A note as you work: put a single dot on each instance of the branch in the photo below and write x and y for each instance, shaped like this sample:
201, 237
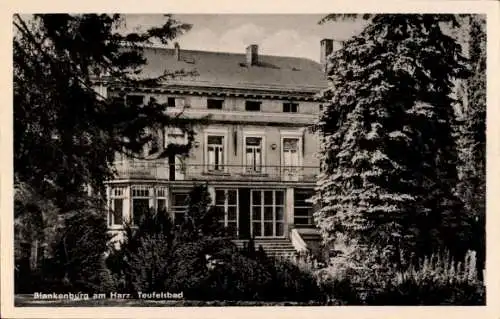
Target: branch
345, 17
26, 32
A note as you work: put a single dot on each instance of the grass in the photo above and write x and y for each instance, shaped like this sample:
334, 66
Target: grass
26, 300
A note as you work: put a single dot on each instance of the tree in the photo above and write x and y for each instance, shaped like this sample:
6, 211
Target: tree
78, 259
202, 219
472, 132
388, 155
65, 133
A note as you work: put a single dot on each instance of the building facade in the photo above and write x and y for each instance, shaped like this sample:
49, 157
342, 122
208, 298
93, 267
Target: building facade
256, 152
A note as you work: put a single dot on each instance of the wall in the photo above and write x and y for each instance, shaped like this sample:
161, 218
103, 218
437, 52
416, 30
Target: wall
272, 135
234, 103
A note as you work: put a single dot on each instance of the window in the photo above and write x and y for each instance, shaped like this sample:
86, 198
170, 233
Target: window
291, 157
175, 136
268, 213
117, 199
119, 99
215, 152
303, 208
135, 99
171, 102
161, 199
179, 206
252, 105
291, 152
215, 104
253, 154
289, 107
227, 201
140, 202
154, 144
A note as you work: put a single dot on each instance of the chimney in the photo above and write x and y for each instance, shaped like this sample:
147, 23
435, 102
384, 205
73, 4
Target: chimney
177, 51
252, 54
328, 46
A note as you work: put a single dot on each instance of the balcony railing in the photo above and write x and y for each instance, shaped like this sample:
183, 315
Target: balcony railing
139, 169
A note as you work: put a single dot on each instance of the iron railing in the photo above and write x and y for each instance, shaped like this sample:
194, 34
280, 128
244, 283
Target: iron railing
143, 169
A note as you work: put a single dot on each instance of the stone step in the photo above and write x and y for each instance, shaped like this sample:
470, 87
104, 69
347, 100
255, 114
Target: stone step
277, 248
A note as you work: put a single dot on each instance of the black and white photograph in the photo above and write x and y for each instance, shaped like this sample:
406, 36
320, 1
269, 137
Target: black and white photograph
249, 159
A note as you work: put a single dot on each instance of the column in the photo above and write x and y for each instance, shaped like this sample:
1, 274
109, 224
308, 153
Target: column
211, 191
127, 203
168, 204
108, 203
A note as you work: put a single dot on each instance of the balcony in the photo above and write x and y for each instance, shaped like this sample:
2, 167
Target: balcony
161, 170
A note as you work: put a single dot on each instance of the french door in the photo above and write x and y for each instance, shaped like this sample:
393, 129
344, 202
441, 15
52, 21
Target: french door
227, 201
291, 159
267, 213
253, 154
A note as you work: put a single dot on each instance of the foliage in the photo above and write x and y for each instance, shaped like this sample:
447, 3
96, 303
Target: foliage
388, 154
79, 252
214, 270
65, 133
434, 280
290, 278
35, 222
471, 132
73, 259
202, 218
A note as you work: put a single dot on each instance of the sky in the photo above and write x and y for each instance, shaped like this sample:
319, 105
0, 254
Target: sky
275, 34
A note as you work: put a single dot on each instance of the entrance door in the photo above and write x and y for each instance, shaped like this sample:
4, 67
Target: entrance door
268, 213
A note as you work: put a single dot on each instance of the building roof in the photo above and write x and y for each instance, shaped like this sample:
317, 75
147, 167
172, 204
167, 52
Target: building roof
230, 70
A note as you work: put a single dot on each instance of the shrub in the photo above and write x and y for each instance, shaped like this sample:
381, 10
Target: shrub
292, 283
78, 263
409, 291
236, 277
435, 280
190, 263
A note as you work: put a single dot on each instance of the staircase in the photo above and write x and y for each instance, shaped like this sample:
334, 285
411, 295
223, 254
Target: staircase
274, 247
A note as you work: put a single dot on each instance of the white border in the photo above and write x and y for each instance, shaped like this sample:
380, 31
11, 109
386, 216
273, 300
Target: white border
256, 6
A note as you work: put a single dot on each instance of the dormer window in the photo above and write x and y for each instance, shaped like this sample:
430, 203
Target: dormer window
253, 106
289, 107
215, 104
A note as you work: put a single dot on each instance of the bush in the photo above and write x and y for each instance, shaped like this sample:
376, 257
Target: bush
292, 283
78, 263
436, 280
429, 292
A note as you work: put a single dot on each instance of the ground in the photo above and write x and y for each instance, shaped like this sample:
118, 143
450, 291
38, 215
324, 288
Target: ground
26, 300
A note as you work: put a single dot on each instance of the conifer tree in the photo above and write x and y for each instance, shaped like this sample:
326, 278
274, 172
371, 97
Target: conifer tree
471, 131
66, 133
388, 155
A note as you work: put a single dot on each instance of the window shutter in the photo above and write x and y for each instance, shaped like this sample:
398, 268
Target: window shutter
303, 143
235, 142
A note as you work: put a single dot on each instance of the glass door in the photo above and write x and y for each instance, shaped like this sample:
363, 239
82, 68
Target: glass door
268, 213
291, 159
